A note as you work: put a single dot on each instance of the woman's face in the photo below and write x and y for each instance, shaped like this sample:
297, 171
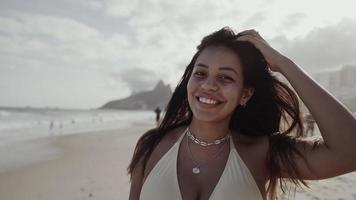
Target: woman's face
215, 87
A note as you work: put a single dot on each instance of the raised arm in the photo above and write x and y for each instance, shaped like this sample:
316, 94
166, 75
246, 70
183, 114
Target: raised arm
335, 154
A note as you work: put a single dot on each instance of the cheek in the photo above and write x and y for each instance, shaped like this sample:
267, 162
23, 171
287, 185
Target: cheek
234, 95
191, 85
190, 89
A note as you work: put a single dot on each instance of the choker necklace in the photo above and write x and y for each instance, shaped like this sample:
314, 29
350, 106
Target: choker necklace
203, 143
197, 167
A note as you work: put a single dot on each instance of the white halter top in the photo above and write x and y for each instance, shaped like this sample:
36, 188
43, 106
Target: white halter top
235, 183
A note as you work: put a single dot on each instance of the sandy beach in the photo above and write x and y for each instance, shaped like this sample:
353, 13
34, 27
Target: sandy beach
79, 166
93, 166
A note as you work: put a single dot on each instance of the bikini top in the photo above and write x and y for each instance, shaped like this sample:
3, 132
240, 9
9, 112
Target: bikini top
236, 181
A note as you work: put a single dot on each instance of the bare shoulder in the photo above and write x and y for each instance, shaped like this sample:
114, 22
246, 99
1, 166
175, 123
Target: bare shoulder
163, 146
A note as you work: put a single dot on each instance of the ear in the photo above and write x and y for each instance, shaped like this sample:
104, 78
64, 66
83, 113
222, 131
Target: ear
246, 96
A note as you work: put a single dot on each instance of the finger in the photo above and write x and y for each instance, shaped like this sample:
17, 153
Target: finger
255, 35
257, 42
249, 32
247, 38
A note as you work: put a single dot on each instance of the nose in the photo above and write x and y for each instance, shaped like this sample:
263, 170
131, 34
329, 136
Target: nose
209, 85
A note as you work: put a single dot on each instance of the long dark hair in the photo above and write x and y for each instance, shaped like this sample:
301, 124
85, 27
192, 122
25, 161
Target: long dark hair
272, 104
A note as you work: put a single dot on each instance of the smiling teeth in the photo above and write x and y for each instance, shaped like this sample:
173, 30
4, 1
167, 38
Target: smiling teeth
207, 101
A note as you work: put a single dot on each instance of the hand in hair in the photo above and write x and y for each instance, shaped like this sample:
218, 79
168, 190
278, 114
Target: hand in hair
274, 59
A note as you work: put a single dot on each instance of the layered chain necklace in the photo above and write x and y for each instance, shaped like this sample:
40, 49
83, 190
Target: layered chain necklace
197, 167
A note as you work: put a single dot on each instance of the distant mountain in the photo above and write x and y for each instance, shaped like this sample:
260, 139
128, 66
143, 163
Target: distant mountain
147, 100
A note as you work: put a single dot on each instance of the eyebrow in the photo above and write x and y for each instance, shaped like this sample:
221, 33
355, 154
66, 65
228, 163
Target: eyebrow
221, 68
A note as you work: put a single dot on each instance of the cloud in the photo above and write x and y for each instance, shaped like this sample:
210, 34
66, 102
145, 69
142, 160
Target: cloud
255, 19
153, 12
94, 4
57, 28
122, 8
137, 79
293, 20
34, 40
324, 47
165, 33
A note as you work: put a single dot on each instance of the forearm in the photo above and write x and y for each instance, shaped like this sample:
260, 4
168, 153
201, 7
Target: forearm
337, 125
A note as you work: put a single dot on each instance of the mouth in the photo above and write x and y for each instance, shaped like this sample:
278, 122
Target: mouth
208, 101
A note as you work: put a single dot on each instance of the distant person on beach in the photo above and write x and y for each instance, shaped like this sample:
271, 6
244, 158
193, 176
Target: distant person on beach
234, 130
51, 125
158, 115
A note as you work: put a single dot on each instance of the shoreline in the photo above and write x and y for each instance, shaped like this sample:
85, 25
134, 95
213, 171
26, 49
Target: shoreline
92, 165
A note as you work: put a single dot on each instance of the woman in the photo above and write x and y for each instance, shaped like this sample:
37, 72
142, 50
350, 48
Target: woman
232, 130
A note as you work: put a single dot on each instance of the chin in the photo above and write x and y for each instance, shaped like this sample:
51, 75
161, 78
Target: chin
209, 117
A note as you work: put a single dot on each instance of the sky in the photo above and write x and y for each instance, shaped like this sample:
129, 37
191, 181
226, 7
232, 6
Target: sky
84, 53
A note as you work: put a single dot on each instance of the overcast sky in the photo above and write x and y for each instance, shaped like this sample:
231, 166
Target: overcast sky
83, 53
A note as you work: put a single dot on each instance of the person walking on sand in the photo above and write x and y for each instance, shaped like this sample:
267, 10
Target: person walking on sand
221, 137
51, 125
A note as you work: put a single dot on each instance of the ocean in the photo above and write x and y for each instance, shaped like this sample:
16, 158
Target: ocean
22, 124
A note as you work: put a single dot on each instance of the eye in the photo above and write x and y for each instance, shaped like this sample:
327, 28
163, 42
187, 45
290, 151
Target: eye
225, 78
199, 74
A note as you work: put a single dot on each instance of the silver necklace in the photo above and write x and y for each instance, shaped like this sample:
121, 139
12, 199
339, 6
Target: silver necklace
204, 143
197, 167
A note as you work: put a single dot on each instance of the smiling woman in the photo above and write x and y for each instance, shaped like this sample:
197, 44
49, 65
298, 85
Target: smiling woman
222, 135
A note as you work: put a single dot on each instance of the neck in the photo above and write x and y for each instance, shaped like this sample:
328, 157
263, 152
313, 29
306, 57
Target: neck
209, 131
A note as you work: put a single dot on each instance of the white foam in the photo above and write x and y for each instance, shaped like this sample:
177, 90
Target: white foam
26, 135
21, 125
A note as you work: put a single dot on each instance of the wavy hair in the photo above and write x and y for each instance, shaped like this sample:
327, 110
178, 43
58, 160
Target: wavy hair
272, 105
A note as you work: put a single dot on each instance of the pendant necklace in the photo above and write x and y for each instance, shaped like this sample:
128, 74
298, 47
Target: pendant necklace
197, 167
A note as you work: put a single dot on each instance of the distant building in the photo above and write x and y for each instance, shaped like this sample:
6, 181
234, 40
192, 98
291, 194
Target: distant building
334, 80
323, 78
341, 83
348, 76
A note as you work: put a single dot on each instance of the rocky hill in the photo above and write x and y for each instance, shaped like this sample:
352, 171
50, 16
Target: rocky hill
147, 100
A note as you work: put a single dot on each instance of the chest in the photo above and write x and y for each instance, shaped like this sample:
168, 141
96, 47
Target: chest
179, 179
201, 185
